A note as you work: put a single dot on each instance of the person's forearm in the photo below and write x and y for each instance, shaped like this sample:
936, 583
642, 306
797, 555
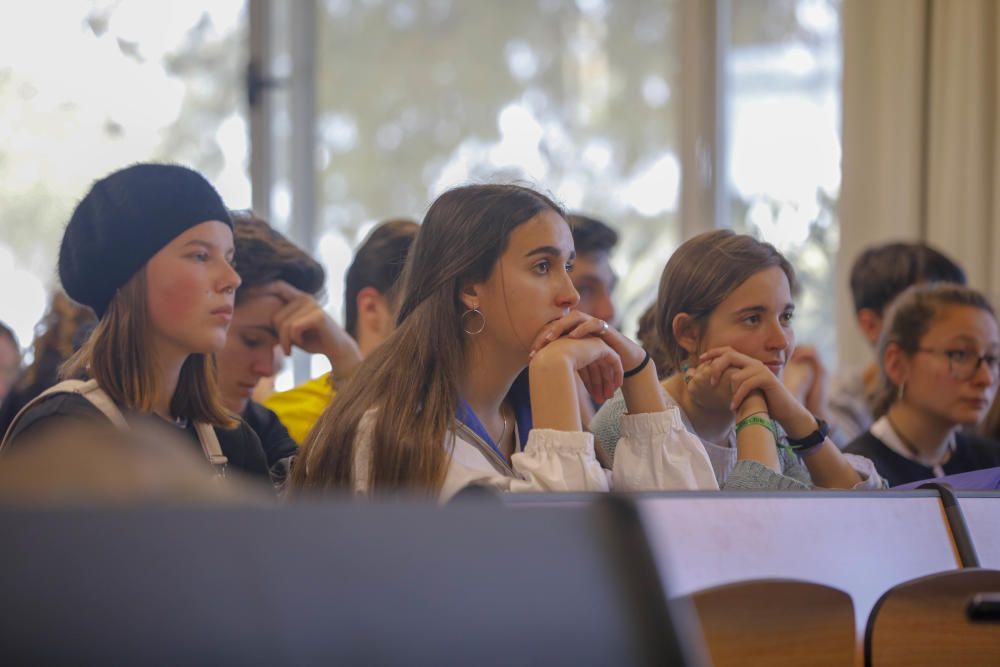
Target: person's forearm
553, 394
343, 358
642, 392
829, 468
755, 442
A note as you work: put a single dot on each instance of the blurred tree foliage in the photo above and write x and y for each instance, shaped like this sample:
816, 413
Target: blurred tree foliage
61, 133
419, 95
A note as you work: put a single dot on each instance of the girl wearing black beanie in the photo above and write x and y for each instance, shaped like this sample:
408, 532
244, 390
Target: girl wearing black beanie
150, 250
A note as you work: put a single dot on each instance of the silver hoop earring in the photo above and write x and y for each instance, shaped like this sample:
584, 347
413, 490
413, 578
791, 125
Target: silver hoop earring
465, 325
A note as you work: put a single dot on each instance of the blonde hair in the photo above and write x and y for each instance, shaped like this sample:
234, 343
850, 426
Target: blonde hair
119, 355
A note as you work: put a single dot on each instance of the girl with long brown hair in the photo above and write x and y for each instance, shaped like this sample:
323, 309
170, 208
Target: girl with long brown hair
477, 385
150, 250
723, 324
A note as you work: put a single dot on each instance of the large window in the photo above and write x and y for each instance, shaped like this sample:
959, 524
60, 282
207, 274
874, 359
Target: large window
575, 97
92, 86
783, 142
578, 97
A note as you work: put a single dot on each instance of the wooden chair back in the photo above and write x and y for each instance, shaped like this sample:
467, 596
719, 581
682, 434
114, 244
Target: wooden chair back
926, 622
777, 622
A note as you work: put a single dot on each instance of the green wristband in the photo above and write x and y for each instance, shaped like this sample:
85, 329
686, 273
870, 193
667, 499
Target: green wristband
759, 421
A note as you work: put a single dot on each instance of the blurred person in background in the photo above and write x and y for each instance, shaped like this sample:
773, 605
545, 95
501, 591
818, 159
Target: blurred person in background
10, 360
593, 277
594, 280
939, 363
60, 333
879, 275
370, 305
275, 310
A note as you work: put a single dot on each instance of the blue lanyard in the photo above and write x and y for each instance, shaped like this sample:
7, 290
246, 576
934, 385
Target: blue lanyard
519, 398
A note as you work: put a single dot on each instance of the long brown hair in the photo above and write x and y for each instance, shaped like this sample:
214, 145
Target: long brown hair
120, 356
908, 319
699, 276
411, 380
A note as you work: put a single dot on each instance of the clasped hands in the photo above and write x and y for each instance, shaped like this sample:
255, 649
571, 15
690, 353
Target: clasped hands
724, 378
591, 347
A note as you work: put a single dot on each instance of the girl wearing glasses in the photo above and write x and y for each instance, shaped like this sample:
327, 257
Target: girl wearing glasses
938, 359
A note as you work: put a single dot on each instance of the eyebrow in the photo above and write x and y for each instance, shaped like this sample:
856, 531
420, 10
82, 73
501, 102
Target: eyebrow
965, 338
210, 246
549, 250
762, 309
262, 327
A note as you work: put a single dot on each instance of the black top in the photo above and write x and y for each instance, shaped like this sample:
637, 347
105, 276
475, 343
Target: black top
971, 453
277, 443
240, 444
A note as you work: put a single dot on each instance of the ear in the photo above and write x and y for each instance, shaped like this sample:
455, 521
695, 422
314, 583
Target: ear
470, 296
686, 332
374, 314
870, 323
896, 364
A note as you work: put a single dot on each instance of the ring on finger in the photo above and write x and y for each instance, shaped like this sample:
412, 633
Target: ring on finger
604, 328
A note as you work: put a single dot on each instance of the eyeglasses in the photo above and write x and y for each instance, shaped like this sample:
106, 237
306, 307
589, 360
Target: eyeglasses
964, 364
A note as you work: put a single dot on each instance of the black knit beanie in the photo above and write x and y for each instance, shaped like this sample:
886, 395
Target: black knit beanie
125, 219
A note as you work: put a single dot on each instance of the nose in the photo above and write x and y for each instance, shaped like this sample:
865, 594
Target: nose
268, 362
567, 297
984, 375
229, 280
779, 337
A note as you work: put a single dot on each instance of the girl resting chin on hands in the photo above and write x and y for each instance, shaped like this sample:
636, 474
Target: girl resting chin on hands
478, 383
724, 321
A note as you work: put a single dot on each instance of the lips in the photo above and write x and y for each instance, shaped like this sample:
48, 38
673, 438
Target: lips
978, 403
775, 366
224, 312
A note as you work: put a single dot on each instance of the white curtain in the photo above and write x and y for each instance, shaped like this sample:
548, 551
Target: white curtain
921, 142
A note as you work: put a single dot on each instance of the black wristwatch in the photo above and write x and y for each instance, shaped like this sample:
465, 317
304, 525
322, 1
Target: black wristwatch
815, 438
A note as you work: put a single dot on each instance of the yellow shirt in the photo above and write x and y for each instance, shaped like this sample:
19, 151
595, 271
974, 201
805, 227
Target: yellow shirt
300, 407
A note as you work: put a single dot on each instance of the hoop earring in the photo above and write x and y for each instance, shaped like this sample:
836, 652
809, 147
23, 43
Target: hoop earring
473, 312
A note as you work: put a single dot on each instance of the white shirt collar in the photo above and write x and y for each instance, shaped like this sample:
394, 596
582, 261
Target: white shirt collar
884, 431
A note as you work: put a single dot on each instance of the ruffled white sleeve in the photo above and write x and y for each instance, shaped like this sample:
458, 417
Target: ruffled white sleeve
558, 461
657, 453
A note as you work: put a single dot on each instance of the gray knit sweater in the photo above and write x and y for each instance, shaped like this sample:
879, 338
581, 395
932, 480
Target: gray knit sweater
732, 474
